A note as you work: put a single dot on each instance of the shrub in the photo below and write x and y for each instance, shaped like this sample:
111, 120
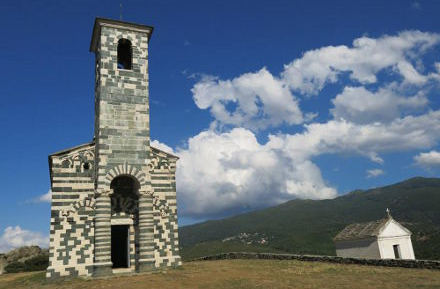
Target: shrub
37, 263
15, 267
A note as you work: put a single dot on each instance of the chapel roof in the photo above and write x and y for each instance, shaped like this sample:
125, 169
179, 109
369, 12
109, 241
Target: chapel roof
358, 231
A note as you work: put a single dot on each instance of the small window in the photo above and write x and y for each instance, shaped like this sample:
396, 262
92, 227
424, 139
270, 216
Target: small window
396, 249
86, 166
124, 54
65, 164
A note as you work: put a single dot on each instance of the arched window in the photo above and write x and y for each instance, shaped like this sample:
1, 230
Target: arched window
126, 186
125, 195
124, 54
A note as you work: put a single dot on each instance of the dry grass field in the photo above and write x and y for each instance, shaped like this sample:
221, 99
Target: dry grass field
245, 274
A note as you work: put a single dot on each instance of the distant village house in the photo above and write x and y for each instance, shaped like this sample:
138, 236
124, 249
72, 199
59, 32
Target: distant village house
381, 239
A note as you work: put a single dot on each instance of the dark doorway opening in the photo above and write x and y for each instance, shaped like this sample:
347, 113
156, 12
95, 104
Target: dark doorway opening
120, 240
396, 249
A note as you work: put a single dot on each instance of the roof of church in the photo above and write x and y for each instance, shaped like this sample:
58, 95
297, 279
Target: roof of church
92, 143
165, 152
66, 151
116, 23
359, 231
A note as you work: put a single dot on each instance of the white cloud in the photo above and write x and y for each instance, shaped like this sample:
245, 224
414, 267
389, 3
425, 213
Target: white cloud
341, 136
259, 100
44, 198
358, 104
47, 197
253, 100
374, 173
436, 74
368, 56
220, 172
428, 160
229, 171
14, 237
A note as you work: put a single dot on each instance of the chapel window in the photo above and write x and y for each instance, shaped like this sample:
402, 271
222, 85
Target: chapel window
124, 54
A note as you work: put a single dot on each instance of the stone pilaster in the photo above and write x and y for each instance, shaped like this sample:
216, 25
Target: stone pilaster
103, 263
146, 231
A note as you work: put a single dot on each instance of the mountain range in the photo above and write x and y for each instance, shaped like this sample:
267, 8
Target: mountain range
309, 226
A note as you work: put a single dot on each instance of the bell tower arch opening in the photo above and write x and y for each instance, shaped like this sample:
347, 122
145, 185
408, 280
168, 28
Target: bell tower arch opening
124, 54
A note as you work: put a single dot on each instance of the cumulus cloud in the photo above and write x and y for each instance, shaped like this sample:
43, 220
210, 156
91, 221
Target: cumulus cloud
259, 100
254, 100
358, 104
341, 136
368, 56
374, 173
232, 171
14, 237
226, 169
428, 160
220, 172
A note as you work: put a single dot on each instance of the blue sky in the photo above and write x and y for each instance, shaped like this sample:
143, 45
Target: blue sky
264, 102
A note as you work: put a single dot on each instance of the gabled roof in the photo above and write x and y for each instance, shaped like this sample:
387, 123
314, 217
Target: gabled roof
162, 151
66, 151
360, 231
92, 143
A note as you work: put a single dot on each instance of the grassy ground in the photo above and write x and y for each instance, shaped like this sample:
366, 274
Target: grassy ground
245, 274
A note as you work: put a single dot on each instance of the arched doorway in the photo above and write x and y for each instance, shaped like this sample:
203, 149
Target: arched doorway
124, 221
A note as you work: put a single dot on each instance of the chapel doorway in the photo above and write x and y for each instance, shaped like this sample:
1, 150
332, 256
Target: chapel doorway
120, 246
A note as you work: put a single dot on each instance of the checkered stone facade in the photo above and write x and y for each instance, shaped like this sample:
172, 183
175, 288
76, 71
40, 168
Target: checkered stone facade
86, 201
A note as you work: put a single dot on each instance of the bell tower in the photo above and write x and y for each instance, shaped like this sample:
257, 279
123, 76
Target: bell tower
122, 134
122, 122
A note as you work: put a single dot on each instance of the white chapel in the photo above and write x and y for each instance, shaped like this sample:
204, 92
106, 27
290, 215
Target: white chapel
380, 239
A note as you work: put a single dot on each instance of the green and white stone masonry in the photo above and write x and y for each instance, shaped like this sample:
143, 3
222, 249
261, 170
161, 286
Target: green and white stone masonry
84, 203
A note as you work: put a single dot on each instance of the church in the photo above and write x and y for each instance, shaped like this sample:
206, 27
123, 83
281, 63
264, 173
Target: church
113, 207
379, 239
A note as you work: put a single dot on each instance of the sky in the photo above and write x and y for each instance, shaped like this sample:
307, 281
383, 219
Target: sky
263, 102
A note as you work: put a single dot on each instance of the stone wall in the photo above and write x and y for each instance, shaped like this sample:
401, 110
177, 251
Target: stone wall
420, 264
71, 244
163, 181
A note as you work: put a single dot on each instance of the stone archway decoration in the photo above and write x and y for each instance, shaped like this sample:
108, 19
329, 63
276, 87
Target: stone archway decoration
87, 203
80, 158
125, 169
158, 163
161, 206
